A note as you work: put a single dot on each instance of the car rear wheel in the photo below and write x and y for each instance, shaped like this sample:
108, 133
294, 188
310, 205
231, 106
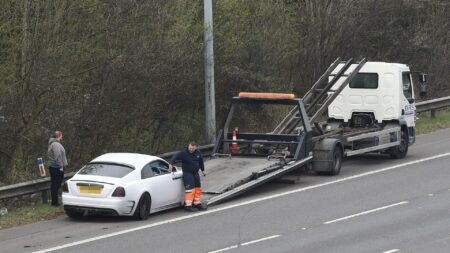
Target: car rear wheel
143, 209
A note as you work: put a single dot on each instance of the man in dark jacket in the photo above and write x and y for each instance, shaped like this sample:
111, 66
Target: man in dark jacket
57, 161
191, 161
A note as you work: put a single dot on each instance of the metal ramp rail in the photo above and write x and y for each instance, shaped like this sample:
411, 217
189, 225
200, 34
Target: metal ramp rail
320, 95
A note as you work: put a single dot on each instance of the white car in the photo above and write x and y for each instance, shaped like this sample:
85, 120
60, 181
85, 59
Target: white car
123, 184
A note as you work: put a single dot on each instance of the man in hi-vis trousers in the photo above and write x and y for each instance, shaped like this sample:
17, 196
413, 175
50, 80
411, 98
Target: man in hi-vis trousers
191, 162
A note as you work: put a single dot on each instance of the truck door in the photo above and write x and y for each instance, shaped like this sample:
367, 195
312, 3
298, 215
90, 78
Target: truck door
409, 108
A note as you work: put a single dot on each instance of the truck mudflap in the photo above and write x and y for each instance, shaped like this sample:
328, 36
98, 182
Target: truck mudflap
257, 179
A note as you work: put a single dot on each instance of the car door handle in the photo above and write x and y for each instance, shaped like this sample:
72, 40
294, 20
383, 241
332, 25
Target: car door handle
176, 178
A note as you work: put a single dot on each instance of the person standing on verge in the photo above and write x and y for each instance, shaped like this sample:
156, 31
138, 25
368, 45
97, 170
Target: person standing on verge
57, 161
191, 161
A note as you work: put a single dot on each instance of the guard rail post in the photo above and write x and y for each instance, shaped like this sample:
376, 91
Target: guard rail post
44, 195
433, 113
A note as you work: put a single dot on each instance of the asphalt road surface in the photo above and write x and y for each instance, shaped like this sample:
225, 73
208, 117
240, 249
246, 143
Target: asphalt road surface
376, 204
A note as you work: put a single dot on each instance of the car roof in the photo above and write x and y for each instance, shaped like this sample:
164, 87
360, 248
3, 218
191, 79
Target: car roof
136, 160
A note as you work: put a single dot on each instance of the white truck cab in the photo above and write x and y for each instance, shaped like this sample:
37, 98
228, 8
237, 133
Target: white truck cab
380, 94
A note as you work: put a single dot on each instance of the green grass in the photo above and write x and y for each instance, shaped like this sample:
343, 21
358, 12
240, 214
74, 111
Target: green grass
426, 124
29, 214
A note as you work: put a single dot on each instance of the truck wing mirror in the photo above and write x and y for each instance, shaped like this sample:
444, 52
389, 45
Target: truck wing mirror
423, 89
423, 77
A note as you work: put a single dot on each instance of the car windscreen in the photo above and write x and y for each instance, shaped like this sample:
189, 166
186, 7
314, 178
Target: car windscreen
105, 170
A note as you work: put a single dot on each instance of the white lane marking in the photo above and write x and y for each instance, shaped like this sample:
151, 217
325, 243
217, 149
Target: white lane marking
224, 249
366, 212
391, 251
248, 202
260, 240
245, 243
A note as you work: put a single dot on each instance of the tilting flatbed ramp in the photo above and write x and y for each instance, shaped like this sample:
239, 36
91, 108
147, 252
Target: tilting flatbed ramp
225, 174
228, 178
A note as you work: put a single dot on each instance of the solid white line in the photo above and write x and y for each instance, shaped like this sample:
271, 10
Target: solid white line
260, 240
240, 204
224, 249
391, 251
366, 212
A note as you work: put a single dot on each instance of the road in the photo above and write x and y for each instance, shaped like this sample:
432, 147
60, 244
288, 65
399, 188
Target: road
376, 204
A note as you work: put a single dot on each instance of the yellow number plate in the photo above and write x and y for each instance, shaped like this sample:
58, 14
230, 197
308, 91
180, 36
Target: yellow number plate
91, 189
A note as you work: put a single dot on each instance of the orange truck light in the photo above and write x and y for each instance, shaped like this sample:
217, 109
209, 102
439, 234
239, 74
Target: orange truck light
267, 95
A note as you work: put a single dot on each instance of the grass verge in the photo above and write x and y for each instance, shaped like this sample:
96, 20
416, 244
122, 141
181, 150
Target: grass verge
426, 124
26, 215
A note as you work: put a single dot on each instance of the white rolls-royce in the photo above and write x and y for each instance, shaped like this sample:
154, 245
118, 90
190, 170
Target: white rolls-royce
124, 184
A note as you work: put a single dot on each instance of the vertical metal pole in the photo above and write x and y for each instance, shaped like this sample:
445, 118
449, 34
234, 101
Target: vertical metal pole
44, 195
210, 101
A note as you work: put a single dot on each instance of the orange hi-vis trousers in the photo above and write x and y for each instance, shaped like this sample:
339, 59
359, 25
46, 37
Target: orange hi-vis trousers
193, 196
197, 195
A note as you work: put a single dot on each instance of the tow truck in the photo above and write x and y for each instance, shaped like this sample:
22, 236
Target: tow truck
370, 108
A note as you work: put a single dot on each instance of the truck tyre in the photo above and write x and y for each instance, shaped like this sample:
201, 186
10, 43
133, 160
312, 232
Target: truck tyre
327, 157
337, 162
401, 150
143, 209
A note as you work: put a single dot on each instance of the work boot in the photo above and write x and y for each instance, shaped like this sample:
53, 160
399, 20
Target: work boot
189, 209
201, 207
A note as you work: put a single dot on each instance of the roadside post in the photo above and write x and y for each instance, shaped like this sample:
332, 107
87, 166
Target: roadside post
44, 193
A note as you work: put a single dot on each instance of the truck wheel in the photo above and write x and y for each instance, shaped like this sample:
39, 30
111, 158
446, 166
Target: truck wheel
401, 150
327, 157
334, 167
337, 162
143, 209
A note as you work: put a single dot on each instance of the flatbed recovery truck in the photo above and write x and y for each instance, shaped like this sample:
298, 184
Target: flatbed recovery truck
375, 113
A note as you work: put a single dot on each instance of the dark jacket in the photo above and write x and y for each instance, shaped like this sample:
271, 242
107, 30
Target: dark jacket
190, 163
